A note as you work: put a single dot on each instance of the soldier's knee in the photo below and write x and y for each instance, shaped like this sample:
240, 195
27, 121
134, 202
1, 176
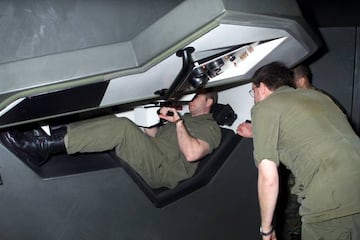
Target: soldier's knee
124, 122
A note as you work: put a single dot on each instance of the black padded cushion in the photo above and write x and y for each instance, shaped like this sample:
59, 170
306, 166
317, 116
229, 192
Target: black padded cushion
61, 165
207, 168
64, 164
223, 114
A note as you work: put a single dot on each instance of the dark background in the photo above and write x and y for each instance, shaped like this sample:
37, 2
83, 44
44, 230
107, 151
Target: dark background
335, 66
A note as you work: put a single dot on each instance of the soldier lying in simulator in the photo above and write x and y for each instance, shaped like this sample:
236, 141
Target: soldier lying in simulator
159, 194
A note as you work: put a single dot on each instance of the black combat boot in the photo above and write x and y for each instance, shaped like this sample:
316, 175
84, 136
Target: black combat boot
34, 146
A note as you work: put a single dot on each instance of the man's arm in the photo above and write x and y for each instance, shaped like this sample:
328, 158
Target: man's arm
268, 189
192, 148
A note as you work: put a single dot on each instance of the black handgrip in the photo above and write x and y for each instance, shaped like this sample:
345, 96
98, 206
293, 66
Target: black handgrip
169, 113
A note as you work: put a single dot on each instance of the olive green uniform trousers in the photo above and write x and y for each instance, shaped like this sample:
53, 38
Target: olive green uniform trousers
108, 133
157, 159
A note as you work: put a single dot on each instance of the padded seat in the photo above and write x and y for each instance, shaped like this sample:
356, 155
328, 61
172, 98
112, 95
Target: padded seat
207, 168
62, 165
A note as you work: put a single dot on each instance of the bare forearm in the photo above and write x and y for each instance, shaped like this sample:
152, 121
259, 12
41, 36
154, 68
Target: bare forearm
191, 147
268, 189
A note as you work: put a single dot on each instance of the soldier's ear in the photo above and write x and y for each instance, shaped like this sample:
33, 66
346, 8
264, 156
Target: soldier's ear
209, 102
262, 88
264, 91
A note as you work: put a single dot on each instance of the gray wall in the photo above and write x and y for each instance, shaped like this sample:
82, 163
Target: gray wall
355, 114
336, 69
37, 28
108, 205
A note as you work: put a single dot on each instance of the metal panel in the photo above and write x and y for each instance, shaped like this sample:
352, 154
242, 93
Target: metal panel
146, 63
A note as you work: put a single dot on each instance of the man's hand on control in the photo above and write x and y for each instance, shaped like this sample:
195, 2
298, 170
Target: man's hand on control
169, 114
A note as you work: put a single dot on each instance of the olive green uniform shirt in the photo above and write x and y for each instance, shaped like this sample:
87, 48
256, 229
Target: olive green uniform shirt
157, 159
308, 133
202, 127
